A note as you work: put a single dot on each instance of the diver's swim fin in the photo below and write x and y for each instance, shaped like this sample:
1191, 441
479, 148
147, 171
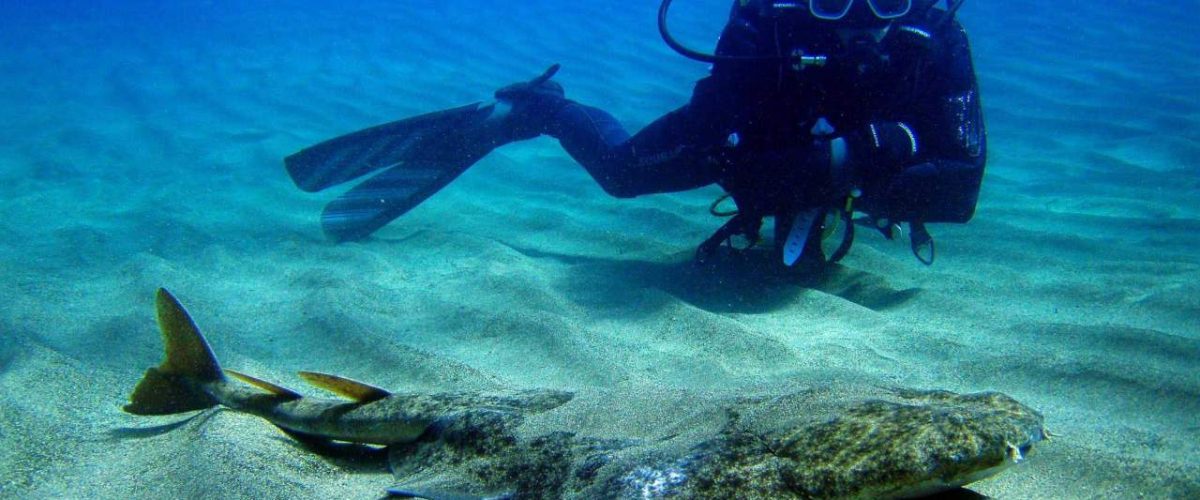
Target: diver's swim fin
429, 139
377, 201
418, 156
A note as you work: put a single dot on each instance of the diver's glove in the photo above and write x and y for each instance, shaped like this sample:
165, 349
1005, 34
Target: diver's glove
533, 105
880, 149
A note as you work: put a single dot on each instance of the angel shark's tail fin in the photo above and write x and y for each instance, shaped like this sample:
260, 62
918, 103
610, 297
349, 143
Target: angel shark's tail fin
178, 384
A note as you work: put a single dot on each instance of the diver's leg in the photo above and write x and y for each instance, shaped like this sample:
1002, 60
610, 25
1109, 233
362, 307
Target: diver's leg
655, 160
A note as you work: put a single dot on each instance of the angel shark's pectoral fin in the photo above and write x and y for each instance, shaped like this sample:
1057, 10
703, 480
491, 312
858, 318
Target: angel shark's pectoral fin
444, 481
360, 392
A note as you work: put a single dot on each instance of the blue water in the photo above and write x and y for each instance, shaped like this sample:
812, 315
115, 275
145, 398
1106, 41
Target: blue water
142, 147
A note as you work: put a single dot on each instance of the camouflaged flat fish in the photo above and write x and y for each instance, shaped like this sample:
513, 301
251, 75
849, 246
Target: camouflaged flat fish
832, 442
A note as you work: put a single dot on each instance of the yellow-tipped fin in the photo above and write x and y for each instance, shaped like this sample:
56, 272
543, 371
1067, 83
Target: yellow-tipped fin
160, 393
342, 386
188, 353
176, 385
264, 385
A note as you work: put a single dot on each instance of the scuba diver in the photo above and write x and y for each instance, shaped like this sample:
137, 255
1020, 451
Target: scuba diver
813, 111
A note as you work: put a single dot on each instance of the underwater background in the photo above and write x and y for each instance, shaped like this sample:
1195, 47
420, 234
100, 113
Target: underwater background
143, 143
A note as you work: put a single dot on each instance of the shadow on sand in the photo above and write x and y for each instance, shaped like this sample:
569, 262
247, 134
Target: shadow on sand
743, 282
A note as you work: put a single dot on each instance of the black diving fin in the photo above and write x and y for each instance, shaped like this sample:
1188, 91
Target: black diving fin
418, 157
393, 192
348, 157
412, 159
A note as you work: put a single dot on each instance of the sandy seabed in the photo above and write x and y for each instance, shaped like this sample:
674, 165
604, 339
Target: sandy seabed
142, 149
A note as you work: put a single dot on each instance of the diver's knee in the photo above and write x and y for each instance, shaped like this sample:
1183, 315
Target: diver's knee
619, 190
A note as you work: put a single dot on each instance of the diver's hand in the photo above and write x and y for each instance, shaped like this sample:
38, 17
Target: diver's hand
880, 149
883, 147
532, 104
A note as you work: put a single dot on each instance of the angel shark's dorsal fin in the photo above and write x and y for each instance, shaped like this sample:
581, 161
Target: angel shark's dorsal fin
352, 389
264, 385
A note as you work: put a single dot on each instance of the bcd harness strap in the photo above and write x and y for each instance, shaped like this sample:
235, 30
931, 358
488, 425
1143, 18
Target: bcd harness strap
831, 219
920, 241
741, 224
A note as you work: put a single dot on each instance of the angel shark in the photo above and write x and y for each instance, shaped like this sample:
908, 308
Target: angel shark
810, 443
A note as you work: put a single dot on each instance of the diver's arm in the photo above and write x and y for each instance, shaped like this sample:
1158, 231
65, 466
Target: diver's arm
928, 166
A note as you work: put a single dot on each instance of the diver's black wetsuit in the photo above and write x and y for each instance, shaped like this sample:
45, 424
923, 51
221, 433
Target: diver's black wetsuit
912, 125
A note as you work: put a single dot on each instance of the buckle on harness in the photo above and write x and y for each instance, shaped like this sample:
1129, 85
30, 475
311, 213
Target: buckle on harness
920, 241
822, 222
922, 244
740, 225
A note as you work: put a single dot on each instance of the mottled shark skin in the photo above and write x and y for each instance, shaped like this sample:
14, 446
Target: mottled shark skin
826, 442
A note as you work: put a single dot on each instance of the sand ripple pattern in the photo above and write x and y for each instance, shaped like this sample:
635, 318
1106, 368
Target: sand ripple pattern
143, 145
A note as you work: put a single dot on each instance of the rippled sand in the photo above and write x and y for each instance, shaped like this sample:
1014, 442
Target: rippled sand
143, 148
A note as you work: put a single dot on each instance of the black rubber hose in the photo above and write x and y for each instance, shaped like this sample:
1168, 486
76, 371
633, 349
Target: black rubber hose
695, 54
673, 43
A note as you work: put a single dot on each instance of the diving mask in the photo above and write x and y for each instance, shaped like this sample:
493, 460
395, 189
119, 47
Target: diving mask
834, 10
